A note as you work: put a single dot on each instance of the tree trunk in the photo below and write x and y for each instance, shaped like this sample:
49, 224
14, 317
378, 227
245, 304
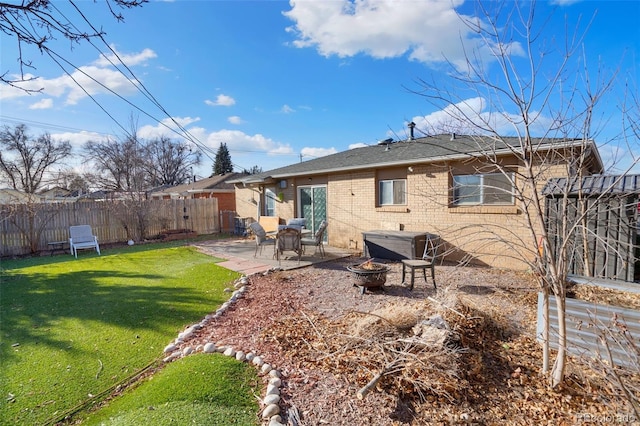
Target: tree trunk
545, 330
557, 375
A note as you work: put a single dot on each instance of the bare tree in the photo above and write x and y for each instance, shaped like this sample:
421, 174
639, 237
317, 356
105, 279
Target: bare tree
118, 163
551, 116
25, 161
36, 23
130, 166
169, 162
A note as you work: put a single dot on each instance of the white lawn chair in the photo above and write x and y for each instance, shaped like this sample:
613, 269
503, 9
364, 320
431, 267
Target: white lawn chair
81, 237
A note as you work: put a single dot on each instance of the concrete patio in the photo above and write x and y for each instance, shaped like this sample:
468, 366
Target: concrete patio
238, 254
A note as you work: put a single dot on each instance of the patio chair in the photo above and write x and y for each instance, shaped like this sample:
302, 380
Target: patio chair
288, 239
261, 237
427, 261
318, 239
81, 237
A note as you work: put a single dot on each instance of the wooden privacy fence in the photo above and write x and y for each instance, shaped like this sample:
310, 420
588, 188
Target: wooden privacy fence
596, 219
602, 243
28, 228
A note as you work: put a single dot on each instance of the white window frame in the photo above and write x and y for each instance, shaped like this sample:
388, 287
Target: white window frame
270, 198
481, 192
398, 195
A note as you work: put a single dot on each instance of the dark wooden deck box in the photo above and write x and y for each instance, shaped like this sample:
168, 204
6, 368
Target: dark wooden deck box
393, 245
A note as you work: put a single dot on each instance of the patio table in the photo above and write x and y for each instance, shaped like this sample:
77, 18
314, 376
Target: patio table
303, 231
56, 245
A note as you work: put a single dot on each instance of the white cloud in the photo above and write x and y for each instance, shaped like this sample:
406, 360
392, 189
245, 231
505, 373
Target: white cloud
91, 80
97, 78
46, 103
234, 119
357, 145
428, 31
470, 115
129, 59
287, 109
77, 139
239, 141
31, 83
166, 127
312, 153
221, 100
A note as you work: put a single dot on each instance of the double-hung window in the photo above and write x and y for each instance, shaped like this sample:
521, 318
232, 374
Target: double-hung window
392, 192
490, 188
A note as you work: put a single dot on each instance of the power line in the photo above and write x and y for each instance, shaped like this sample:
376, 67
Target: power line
132, 79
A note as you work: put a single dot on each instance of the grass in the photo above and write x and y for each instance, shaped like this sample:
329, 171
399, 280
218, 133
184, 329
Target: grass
70, 330
200, 389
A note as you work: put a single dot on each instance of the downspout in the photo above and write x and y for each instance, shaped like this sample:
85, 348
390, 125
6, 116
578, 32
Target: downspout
259, 203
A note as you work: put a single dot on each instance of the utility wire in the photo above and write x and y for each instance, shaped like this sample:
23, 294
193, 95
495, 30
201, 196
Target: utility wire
139, 85
131, 78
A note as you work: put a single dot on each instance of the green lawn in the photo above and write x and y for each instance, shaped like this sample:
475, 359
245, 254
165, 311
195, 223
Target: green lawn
70, 330
201, 389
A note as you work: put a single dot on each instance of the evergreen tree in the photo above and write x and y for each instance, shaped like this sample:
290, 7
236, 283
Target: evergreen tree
222, 163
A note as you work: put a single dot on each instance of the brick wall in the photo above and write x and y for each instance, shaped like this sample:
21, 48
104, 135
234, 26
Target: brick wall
491, 235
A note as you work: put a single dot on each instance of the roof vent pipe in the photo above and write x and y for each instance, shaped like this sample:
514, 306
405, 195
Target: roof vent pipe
453, 136
411, 127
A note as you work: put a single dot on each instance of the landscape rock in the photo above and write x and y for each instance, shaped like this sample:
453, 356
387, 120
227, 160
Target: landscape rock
265, 368
270, 410
273, 390
271, 399
275, 382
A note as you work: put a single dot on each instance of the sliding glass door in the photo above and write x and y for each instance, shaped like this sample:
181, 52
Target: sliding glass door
313, 205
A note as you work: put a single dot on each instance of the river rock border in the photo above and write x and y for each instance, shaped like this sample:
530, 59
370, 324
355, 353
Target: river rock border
270, 408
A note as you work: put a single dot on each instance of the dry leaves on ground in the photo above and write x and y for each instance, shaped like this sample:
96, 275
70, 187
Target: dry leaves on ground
330, 342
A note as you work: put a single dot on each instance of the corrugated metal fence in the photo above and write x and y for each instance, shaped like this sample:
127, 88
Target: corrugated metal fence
586, 324
26, 228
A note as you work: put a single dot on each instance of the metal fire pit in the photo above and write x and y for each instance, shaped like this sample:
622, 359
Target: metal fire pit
372, 277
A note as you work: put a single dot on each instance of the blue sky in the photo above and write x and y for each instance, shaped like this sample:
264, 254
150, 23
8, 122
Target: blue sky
282, 81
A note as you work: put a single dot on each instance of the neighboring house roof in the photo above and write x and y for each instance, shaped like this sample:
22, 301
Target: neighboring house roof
56, 191
418, 151
217, 183
594, 185
10, 195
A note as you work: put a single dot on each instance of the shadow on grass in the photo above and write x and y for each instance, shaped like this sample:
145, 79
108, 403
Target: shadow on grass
34, 303
120, 308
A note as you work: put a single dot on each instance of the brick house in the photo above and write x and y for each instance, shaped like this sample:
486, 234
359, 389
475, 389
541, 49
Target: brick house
445, 185
213, 187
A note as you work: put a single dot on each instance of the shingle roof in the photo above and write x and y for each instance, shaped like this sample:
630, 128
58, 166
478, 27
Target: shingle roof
594, 185
421, 150
219, 182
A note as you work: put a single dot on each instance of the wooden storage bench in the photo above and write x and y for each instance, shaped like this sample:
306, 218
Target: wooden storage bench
393, 245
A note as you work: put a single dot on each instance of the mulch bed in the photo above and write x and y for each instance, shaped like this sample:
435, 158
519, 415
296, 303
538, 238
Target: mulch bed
305, 323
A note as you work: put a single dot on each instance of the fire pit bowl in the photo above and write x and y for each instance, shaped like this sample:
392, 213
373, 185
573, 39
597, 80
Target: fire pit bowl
369, 274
